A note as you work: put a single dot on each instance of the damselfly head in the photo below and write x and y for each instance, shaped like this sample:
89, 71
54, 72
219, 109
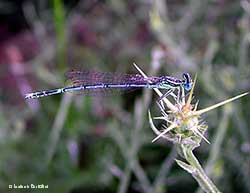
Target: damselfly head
187, 82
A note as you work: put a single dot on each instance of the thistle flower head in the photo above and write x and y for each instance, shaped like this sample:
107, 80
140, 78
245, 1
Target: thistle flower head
183, 124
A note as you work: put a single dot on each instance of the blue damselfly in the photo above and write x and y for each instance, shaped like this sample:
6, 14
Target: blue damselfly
96, 82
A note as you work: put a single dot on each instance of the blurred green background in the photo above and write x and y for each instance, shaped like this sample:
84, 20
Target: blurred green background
77, 144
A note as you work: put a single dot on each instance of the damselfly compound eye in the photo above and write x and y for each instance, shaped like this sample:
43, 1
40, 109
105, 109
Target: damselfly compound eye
188, 86
187, 81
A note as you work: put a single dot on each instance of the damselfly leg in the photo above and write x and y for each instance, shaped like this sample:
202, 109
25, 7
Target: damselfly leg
160, 100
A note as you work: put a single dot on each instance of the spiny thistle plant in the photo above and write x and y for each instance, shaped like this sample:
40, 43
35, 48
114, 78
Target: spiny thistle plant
185, 128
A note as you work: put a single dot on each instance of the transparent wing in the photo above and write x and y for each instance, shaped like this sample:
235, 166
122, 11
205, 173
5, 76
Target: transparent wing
94, 77
81, 77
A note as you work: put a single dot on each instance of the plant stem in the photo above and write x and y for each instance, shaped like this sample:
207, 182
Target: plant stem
159, 183
123, 186
59, 21
58, 126
198, 173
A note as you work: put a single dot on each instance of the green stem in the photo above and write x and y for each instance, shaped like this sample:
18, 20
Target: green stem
199, 174
59, 22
